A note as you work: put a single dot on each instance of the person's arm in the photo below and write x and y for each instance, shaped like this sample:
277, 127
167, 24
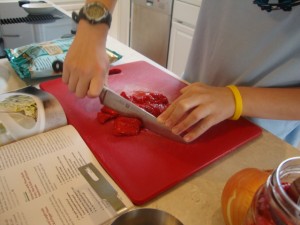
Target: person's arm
201, 107
271, 103
86, 64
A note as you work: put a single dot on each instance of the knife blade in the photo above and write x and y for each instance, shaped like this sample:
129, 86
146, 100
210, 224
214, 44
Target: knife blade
125, 107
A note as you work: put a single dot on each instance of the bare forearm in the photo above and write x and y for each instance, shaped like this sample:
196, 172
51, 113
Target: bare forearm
86, 64
97, 31
271, 103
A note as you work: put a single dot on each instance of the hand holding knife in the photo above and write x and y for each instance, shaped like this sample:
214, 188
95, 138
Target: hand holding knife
125, 107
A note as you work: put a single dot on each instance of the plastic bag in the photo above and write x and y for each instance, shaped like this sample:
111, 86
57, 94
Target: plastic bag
35, 60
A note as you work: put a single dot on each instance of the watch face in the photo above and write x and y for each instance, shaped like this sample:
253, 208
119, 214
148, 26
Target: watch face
95, 12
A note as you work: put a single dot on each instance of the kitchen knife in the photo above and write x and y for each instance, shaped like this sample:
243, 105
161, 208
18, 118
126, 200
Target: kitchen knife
125, 107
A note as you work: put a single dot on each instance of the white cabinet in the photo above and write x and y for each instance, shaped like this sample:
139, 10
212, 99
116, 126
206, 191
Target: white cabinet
182, 31
121, 22
180, 42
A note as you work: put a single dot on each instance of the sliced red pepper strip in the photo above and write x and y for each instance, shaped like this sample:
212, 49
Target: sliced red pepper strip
104, 117
126, 126
110, 111
154, 103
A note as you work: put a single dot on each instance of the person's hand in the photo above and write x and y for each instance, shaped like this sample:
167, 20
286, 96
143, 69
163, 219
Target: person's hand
198, 108
86, 64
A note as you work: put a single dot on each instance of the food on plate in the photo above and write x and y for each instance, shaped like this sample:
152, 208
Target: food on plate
127, 126
23, 104
154, 103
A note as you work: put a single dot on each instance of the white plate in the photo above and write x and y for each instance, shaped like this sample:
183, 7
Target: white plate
38, 8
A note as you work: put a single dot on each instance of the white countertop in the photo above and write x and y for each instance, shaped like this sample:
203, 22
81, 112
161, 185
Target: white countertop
10, 81
197, 200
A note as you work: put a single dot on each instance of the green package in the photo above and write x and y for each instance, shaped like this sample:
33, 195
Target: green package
35, 60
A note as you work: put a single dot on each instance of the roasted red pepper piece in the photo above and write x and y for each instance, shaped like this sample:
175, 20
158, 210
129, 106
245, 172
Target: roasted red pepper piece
124, 95
293, 190
126, 126
148, 97
110, 111
106, 114
154, 109
104, 117
154, 103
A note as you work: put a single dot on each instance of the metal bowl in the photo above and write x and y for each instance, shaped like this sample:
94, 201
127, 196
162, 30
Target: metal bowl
146, 216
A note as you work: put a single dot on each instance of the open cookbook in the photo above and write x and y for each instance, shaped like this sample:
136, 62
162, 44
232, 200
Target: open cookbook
48, 175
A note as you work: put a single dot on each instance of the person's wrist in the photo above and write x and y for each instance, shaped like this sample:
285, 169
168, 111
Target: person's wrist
238, 102
98, 31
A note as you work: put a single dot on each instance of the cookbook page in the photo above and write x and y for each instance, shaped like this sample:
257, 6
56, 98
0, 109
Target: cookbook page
53, 178
26, 112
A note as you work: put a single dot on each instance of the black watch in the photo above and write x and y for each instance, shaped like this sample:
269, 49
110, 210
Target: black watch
94, 13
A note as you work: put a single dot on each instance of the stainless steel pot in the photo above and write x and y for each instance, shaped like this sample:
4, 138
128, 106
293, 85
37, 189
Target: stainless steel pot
146, 216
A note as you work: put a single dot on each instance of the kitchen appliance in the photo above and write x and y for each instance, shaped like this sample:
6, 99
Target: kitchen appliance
150, 28
19, 28
147, 164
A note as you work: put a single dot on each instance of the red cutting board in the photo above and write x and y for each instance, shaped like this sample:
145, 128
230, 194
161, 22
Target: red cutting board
147, 164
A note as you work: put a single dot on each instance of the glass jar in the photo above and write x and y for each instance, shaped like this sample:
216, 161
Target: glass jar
272, 204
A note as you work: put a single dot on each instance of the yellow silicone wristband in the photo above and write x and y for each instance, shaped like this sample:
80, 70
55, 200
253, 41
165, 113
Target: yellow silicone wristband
238, 102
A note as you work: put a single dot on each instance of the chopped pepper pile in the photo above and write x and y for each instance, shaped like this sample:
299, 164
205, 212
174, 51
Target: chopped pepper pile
154, 103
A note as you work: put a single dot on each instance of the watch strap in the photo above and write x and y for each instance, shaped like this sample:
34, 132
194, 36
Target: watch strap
75, 17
